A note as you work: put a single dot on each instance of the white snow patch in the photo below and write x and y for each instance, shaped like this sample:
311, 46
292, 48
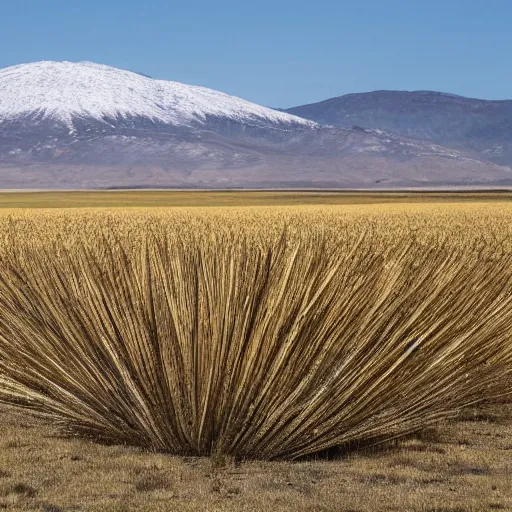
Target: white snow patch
64, 91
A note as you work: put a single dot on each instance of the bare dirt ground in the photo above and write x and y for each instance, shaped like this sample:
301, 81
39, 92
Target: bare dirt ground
464, 465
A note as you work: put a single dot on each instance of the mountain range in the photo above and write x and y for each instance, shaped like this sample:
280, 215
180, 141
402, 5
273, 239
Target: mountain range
480, 127
85, 125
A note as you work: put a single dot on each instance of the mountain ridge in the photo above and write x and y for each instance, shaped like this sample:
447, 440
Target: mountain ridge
64, 90
86, 125
481, 126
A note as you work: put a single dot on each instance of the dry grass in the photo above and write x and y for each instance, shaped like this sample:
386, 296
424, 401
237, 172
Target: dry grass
172, 198
462, 466
255, 333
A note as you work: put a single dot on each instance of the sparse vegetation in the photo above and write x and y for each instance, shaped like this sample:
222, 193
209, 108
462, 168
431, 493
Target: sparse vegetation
426, 472
255, 333
197, 198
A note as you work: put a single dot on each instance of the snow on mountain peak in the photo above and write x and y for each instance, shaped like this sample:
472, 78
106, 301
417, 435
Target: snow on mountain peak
64, 91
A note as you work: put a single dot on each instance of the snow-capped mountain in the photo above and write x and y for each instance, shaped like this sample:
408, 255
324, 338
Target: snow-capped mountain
85, 125
68, 91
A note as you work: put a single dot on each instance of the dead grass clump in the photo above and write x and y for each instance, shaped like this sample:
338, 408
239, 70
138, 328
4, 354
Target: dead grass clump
22, 489
152, 481
252, 345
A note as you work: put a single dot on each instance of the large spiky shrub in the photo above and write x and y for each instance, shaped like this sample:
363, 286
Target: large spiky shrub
270, 348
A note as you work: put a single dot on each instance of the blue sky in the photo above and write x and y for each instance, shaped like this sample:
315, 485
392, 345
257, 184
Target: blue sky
277, 53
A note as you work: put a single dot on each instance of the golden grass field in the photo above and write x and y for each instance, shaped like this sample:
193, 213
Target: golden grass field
166, 198
255, 333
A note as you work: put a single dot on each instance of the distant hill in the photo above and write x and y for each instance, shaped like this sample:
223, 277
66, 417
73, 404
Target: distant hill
85, 125
481, 127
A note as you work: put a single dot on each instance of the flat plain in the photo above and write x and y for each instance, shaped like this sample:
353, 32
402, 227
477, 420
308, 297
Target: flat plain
447, 459
171, 198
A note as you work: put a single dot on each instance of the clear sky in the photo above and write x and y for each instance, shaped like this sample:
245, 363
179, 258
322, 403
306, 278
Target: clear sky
277, 53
